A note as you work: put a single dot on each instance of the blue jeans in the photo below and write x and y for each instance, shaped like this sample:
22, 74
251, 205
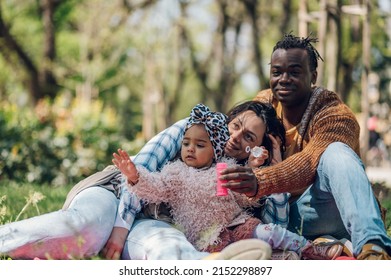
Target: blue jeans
79, 231
158, 240
340, 202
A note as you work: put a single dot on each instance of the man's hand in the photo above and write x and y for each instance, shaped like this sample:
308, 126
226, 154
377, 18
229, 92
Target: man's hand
240, 179
115, 244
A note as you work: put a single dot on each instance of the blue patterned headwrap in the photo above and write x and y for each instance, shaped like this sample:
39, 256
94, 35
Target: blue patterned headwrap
215, 124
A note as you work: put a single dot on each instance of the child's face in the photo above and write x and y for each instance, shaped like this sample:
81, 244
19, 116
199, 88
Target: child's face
197, 150
247, 129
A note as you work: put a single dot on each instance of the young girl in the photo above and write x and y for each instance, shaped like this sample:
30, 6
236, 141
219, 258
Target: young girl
188, 185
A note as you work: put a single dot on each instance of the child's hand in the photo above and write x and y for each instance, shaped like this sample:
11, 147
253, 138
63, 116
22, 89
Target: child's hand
127, 167
254, 162
276, 142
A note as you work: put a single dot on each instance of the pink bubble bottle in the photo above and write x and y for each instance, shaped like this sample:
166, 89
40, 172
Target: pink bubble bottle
221, 191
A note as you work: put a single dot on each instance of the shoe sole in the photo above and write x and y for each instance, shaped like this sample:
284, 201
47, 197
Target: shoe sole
284, 255
247, 249
347, 249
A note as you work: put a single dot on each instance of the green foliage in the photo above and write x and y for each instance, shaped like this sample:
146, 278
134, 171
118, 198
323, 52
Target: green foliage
60, 144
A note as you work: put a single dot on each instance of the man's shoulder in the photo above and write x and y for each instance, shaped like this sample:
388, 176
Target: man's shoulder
264, 95
326, 103
329, 99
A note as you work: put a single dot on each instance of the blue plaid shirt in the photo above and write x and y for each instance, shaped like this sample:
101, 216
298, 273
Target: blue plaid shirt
154, 155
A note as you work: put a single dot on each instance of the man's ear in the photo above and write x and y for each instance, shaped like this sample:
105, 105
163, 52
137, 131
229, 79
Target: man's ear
314, 77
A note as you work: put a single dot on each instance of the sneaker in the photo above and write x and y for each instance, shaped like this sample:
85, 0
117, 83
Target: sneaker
284, 255
347, 248
347, 245
246, 249
373, 252
320, 250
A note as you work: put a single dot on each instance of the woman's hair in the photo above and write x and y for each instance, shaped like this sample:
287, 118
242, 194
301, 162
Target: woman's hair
267, 113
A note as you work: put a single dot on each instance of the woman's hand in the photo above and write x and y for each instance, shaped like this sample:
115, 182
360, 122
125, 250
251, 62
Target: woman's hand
127, 167
240, 179
258, 161
276, 144
115, 244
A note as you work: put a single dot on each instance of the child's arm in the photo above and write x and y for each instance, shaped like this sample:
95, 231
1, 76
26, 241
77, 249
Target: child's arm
151, 186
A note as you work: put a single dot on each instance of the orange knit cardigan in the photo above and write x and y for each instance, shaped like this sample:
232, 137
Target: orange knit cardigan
326, 120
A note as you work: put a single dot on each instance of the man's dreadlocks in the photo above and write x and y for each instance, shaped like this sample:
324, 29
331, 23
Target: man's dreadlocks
293, 42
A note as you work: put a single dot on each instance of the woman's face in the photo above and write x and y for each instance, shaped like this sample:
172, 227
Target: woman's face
247, 129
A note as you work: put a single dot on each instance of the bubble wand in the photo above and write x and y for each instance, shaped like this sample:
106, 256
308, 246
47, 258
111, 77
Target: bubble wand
256, 151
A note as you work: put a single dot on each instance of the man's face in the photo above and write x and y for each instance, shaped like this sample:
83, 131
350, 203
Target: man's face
290, 76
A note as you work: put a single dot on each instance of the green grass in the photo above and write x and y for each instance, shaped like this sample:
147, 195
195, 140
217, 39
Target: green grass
19, 201
387, 204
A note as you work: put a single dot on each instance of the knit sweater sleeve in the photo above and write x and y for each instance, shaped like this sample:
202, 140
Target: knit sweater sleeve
331, 121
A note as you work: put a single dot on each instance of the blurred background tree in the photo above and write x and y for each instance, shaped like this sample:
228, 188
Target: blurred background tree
79, 79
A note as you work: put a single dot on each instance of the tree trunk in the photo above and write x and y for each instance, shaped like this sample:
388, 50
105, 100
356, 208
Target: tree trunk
47, 78
286, 15
251, 7
40, 81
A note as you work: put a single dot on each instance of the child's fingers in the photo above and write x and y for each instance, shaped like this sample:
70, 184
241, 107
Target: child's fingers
115, 162
123, 153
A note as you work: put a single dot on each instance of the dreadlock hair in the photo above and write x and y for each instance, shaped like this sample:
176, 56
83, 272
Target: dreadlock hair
267, 113
290, 41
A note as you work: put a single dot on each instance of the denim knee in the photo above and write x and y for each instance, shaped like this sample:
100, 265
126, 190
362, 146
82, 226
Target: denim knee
339, 156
